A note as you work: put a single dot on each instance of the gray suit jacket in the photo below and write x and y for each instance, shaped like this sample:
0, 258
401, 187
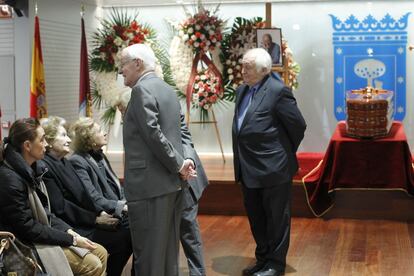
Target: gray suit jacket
152, 139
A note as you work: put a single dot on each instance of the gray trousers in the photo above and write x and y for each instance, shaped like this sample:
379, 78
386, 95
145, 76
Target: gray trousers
155, 226
191, 241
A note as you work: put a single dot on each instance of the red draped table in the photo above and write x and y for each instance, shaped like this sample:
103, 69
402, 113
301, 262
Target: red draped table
363, 164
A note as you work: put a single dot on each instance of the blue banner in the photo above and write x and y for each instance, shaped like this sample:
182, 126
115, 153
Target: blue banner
370, 52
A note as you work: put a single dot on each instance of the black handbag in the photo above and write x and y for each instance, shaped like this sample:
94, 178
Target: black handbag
16, 259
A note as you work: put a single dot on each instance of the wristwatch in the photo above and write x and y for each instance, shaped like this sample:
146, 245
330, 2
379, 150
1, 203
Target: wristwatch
75, 241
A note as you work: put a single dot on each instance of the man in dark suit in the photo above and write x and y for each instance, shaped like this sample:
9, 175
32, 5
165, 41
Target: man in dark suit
156, 164
267, 130
189, 229
272, 48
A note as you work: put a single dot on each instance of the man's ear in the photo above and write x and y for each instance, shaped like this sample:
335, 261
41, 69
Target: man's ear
138, 62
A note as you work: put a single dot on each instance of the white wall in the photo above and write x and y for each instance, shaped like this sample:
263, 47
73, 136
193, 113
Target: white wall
312, 47
61, 34
60, 37
311, 44
7, 99
23, 29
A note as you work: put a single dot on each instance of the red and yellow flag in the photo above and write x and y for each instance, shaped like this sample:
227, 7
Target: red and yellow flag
38, 105
85, 97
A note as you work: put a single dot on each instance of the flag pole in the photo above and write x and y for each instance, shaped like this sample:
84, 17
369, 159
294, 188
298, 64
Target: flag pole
82, 12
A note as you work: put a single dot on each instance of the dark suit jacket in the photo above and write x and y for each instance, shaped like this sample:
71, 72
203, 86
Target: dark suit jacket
198, 184
274, 52
105, 194
265, 146
68, 197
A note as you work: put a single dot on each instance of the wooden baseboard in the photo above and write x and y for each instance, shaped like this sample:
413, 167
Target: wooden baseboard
224, 198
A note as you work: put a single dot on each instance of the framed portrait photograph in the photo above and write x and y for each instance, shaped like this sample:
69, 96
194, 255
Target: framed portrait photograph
271, 40
5, 12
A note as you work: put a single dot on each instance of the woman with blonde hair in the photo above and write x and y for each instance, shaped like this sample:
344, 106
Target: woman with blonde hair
72, 202
103, 186
25, 208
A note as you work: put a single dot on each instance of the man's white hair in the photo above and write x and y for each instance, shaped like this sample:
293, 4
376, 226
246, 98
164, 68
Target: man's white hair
142, 52
261, 58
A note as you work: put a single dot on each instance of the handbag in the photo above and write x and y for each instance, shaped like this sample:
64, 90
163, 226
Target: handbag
16, 259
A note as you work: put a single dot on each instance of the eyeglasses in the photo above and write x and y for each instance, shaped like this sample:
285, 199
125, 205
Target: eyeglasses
123, 63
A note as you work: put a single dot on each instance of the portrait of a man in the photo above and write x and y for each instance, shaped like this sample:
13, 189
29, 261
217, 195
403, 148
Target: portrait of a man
271, 41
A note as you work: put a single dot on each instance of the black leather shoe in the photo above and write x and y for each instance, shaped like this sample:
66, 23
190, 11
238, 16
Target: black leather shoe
248, 271
268, 272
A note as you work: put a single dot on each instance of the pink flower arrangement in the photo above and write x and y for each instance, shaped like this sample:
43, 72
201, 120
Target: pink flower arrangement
206, 90
202, 31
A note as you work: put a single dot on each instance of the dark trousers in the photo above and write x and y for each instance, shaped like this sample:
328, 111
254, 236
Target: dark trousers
191, 241
155, 228
268, 210
119, 246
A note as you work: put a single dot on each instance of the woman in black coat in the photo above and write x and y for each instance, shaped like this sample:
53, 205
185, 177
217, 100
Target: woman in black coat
72, 202
25, 209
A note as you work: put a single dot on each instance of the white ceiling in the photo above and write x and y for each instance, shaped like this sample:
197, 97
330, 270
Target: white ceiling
107, 3
138, 3
147, 3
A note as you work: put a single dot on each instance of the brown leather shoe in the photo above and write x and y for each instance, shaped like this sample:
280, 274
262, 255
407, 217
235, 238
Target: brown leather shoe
250, 270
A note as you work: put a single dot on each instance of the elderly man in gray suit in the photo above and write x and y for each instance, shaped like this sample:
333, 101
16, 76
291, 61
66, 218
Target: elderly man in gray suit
156, 164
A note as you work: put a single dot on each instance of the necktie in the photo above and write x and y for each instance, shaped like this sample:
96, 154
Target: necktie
245, 104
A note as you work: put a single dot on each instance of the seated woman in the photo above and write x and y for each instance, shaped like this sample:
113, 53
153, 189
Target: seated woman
25, 210
93, 167
71, 201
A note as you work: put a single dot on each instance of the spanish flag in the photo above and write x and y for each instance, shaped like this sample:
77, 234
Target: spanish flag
38, 106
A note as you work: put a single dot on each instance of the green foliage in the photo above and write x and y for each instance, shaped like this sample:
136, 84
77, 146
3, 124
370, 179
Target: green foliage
240, 26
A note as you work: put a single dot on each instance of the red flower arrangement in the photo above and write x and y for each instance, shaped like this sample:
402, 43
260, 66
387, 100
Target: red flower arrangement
202, 32
117, 33
120, 30
206, 90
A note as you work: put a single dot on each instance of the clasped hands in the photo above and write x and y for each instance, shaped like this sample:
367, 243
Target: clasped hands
106, 219
82, 241
188, 171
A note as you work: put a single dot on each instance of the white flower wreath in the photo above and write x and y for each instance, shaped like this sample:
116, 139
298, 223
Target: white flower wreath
111, 91
181, 60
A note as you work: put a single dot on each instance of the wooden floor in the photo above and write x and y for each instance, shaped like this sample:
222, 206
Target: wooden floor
336, 247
